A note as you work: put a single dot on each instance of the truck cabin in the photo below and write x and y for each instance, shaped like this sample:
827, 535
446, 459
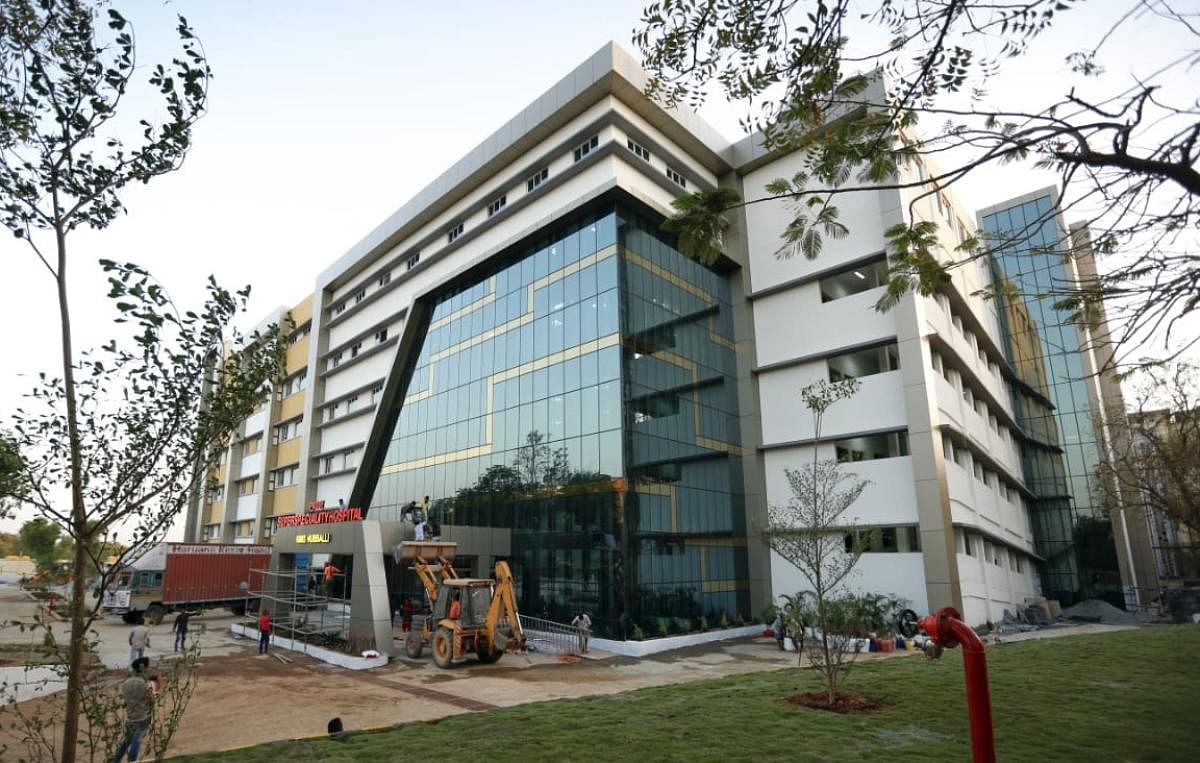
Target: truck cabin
139, 581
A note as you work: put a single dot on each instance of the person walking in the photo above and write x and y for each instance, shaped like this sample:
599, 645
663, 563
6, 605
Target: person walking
139, 642
780, 631
135, 693
264, 632
583, 627
181, 630
419, 531
433, 529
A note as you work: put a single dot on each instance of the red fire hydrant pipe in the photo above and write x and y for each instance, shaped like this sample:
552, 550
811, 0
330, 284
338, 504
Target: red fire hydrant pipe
948, 631
979, 701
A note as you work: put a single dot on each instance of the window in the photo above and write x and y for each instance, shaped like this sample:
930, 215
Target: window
497, 205
454, 233
376, 391
967, 541
284, 477
657, 406
212, 532
331, 411
350, 401
868, 275
349, 459
585, 148
288, 430
884, 540
871, 447
355, 349
1019, 562
874, 360
675, 177
247, 486
381, 336
295, 382
339, 308
385, 279
537, 179
251, 445
295, 337
638, 149
360, 295
327, 465
337, 360
412, 261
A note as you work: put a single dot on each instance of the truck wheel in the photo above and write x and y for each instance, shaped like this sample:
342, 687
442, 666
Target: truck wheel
413, 646
443, 647
154, 614
133, 617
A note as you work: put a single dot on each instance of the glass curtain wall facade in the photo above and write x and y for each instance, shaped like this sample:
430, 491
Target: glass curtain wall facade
581, 396
1030, 252
1051, 513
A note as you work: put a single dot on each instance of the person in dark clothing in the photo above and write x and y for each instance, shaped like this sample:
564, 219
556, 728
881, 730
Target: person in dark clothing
181, 630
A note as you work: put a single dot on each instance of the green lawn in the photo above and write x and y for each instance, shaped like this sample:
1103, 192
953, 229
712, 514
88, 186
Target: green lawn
1126, 696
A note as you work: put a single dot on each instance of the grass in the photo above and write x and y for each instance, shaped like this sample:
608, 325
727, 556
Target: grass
1124, 696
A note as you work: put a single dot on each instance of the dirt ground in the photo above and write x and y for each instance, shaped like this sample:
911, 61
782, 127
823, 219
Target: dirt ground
243, 698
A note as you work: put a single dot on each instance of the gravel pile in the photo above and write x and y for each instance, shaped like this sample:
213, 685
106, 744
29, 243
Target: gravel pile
1098, 611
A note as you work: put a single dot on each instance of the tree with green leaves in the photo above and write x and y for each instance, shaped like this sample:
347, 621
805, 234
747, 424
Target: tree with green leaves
112, 442
39, 541
12, 474
1125, 147
810, 532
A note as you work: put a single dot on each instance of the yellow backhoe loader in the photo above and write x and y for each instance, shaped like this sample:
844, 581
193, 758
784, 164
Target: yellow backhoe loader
485, 621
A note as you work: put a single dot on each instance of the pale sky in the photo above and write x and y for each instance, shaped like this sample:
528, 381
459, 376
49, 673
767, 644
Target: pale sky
326, 117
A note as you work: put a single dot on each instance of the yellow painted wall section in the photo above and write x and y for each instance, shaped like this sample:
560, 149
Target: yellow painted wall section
214, 512
288, 452
287, 500
302, 312
297, 357
291, 407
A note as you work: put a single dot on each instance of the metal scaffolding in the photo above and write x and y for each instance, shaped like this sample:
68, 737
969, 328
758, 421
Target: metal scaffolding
314, 618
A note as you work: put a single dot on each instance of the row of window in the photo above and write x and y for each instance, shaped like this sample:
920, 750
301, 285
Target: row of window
978, 546
347, 459
532, 182
352, 403
251, 445
958, 452
294, 383
974, 399
976, 346
858, 278
872, 447
296, 336
954, 222
882, 540
867, 362
587, 147
288, 430
288, 475
356, 349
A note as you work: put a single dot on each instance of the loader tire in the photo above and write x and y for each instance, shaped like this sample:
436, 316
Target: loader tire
413, 645
443, 647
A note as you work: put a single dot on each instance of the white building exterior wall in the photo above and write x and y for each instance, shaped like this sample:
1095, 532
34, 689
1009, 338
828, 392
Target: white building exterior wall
790, 331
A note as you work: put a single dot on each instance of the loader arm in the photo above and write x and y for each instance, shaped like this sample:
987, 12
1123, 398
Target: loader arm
504, 606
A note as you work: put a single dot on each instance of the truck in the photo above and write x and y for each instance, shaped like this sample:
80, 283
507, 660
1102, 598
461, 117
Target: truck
187, 576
